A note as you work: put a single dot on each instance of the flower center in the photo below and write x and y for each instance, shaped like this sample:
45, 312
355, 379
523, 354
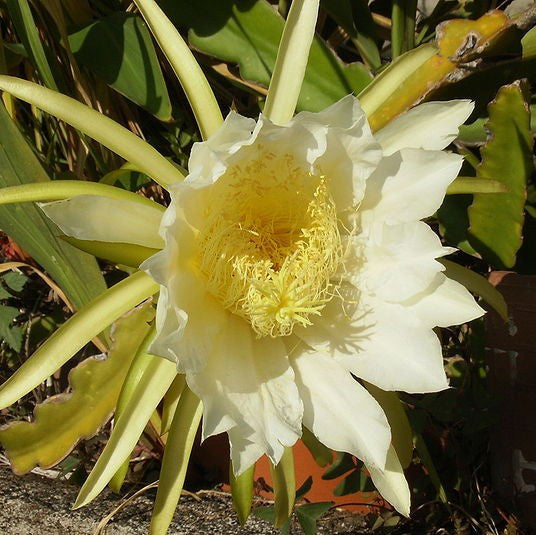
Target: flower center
271, 244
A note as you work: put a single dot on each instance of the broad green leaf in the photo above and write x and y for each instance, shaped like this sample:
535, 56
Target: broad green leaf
119, 50
189, 73
309, 514
350, 484
75, 272
268, 513
21, 15
96, 125
356, 19
342, 464
242, 492
78, 414
11, 283
477, 284
77, 331
529, 44
401, 433
9, 333
248, 33
128, 428
322, 455
175, 462
284, 483
496, 220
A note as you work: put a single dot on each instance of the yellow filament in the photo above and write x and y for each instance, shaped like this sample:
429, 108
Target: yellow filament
271, 243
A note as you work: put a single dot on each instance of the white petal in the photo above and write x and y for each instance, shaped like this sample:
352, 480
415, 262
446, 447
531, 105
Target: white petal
339, 411
351, 153
208, 158
248, 385
399, 260
409, 185
445, 303
385, 344
391, 483
244, 452
432, 126
188, 321
93, 217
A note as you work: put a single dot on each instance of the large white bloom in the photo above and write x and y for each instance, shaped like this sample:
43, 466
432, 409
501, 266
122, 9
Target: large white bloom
294, 258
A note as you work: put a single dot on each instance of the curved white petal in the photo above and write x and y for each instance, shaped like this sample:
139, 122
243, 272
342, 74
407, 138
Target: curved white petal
351, 153
431, 126
400, 260
188, 321
385, 344
446, 303
391, 483
208, 158
93, 217
339, 411
408, 185
248, 385
244, 451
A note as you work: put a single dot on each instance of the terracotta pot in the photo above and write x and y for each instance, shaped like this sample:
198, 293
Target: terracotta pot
511, 355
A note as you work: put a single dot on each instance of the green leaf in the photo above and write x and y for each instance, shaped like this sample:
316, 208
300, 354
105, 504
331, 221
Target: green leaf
12, 335
356, 19
428, 462
248, 33
344, 463
134, 375
77, 331
11, 283
322, 454
126, 254
185, 66
21, 15
129, 426
350, 484
463, 185
75, 272
96, 125
242, 492
119, 50
62, 421
309, 514
284, 482
268, 513
528, 42
175, 462
496, 220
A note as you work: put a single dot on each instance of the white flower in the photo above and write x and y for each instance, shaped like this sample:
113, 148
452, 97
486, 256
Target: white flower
294, 258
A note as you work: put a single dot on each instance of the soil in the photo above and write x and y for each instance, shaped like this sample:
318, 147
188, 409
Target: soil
35, 505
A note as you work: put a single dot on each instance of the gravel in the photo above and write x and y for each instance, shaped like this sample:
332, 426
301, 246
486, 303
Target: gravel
35, 505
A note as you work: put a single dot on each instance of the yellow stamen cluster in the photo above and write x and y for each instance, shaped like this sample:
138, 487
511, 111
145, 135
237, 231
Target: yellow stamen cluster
271, 243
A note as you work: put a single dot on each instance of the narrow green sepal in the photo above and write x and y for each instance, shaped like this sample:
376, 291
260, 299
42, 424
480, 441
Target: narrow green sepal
284, 482
126, 254
242, 492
